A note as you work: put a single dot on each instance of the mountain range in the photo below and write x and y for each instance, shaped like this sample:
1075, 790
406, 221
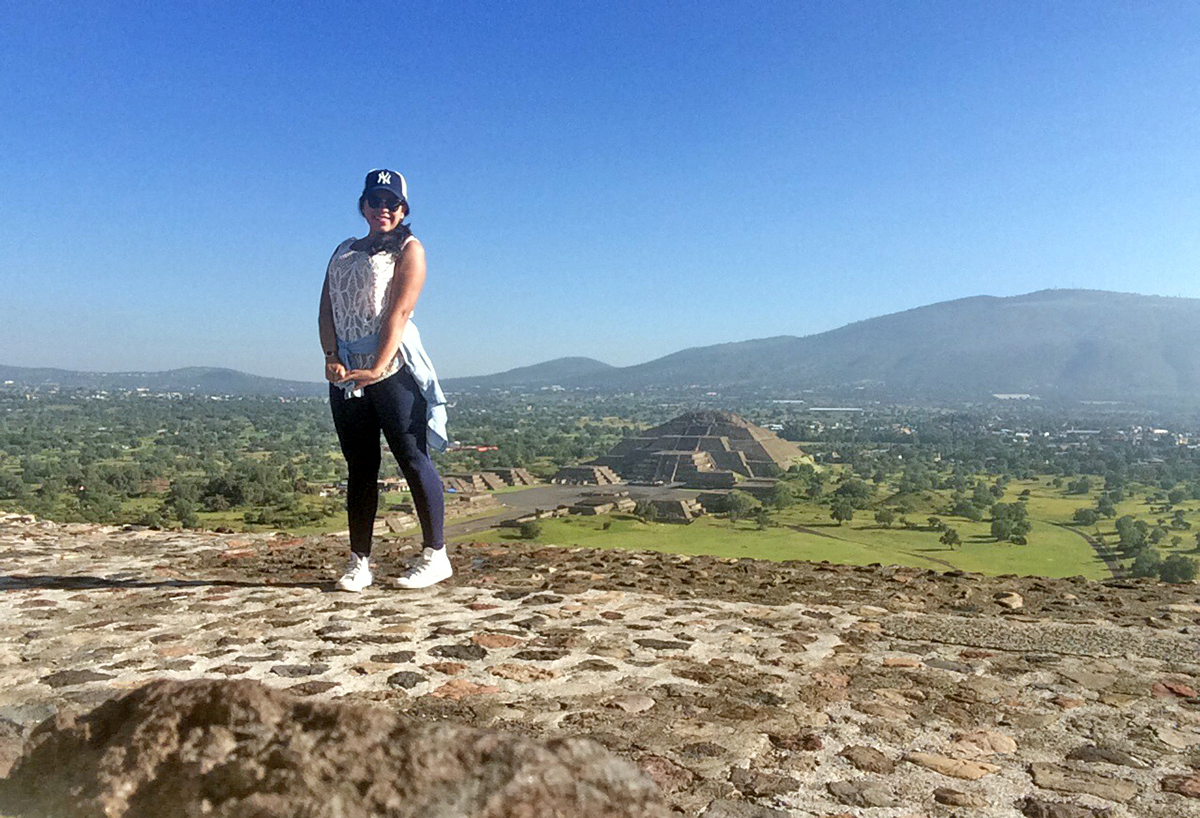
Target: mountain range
1085, 344
1077, 344
198, 380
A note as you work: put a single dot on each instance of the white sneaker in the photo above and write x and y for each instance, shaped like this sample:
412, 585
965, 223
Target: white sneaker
357, 576
431, 567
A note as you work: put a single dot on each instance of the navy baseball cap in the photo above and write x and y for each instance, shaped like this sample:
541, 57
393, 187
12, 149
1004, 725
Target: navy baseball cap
389, 180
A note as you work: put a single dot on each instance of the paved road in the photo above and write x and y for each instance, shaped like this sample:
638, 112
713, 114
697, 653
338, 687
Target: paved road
552, 496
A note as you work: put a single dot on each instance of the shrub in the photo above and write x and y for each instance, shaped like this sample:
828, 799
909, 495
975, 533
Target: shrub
531, 530
1177, 568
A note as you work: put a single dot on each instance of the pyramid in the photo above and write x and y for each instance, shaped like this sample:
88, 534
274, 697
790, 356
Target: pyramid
704, 448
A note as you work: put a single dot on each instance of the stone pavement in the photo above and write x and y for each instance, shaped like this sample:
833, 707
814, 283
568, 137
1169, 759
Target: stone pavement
744, 688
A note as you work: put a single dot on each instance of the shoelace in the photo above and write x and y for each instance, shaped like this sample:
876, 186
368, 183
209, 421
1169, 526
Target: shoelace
422, 562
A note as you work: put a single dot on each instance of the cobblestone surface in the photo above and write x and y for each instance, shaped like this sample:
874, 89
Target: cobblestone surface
742, 687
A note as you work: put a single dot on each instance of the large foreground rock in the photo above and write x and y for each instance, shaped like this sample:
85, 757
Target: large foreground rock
238, 748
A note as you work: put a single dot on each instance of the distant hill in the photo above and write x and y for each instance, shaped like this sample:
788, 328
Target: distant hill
189, 380
1083, 344
548, 373
1070, 343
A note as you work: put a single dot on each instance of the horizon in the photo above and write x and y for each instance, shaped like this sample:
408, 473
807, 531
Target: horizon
636, 363
588, 182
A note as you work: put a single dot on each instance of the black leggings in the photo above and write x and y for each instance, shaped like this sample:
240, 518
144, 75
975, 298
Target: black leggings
396, 407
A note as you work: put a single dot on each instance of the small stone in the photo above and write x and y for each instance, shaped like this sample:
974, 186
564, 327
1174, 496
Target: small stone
367, 668
448, 668
459, 689
595, 665
1064, 779
861, 792
1091, 753
701, 749
1068, 702
668, 775
1036, 808
399, 657
1188, 785
1165, 690
522, 673
398, 630
953, 767
758, 784
1090, 680
984, 743
539, 655
496, 640
330, 630
954, 798
312, 688
662, 644
294, 671
947, 664
806, 742
1009, 599
724, 808
69, 678
632, 703
468, 652
405, 679
868, 759
231, 670
1178, 739
901, 661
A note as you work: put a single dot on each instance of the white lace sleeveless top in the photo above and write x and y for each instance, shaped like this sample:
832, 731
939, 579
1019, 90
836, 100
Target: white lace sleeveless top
359, 291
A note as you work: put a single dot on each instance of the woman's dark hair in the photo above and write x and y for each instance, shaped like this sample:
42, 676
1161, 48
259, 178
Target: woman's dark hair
391, 242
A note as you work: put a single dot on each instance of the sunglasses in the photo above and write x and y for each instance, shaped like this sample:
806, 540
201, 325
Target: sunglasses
380, 202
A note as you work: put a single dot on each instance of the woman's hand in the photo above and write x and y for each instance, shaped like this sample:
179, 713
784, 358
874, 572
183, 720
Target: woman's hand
363, 377
335, 372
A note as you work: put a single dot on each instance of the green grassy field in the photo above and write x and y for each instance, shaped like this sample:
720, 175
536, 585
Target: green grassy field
1052, 550
804, 531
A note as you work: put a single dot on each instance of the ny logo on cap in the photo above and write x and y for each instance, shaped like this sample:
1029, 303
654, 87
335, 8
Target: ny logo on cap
383, 178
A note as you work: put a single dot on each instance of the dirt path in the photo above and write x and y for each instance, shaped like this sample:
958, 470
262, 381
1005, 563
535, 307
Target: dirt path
1111, 563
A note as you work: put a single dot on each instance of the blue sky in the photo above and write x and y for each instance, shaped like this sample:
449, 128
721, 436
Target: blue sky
612, 180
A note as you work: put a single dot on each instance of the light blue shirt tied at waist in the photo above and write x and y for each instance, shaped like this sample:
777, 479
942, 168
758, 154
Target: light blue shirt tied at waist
412, 352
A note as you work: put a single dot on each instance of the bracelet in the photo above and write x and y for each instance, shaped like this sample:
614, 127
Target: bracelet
329, 355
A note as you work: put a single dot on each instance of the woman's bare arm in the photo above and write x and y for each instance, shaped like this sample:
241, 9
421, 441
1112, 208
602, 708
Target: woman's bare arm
334, 371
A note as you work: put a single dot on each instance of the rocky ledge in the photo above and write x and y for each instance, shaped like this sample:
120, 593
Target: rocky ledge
745, 689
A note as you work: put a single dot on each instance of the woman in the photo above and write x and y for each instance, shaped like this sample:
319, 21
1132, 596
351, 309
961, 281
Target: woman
380, 378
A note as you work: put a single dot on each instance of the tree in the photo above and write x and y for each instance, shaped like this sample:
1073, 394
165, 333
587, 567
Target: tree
1010, 521
936, 524
1086, 516
1177, 568
781, 495
762, 517
842, 511
856, 491
1081, 486
950, 538
531, 530
1146, 564
738, 504
885, 517
1105, 507
646, 511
